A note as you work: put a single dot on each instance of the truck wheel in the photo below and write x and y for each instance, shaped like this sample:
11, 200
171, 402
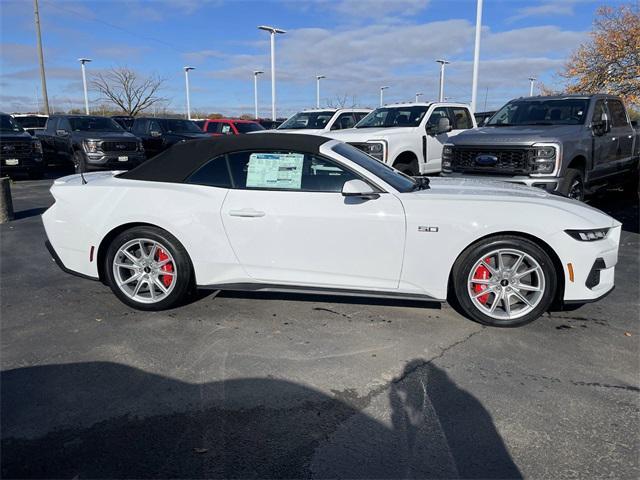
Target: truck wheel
573, 184
408, 168
504, 281
79, 163
147, 268
632, 186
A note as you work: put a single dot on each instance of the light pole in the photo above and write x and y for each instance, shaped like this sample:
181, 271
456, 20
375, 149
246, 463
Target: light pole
186, 82
418, 95
84, 83
442, 64
272, 31
382, 89
532, 81
255, 91
43, 78
318, 78
476, 57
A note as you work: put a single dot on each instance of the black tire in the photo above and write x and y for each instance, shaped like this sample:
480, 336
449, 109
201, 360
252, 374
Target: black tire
183, 279
467, 260
408, 167
79, 162
572, 184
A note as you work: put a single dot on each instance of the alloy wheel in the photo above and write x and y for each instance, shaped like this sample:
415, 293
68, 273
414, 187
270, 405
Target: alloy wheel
506, 284
144, 270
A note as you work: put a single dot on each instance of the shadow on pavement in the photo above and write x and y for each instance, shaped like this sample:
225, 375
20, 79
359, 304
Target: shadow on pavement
107, 420
31, 212
624, 208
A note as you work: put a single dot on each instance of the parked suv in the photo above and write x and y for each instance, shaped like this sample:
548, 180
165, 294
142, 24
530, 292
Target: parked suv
572, 144
409, 136
19, 151
321, 121
90, 142
229, 126
158, 134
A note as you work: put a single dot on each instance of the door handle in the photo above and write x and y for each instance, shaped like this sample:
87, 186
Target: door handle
247, 213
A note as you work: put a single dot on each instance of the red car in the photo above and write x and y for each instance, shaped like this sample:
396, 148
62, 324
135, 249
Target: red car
228, 126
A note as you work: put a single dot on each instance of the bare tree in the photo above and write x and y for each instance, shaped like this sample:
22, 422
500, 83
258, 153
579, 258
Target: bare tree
342, 101
124, 88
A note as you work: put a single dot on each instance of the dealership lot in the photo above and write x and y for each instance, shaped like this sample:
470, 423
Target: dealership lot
266, 385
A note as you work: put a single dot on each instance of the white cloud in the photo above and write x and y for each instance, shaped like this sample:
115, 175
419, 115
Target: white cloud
532, 41
547, 7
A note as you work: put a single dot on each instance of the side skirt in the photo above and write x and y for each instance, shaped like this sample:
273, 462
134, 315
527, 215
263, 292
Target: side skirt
271, 287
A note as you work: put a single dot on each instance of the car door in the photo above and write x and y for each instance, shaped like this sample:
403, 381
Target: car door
288, 222
604, 144
622, 131
435, 141
155, 141
345, 120
62, 140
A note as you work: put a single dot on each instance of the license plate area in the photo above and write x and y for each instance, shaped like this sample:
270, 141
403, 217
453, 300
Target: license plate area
123, 159
12, 161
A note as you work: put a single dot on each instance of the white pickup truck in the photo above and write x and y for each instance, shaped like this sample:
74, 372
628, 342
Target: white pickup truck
322, 120
408, 136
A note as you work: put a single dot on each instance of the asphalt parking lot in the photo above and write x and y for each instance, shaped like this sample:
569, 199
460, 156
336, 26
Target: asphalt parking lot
283, 386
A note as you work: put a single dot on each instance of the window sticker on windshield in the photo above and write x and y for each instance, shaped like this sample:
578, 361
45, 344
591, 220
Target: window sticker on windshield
275, 170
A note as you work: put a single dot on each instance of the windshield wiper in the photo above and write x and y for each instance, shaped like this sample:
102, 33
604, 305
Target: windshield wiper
422, 183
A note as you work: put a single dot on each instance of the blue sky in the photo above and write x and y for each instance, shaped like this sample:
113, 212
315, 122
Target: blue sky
358, 44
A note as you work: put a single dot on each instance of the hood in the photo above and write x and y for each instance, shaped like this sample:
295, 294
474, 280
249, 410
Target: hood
104, 135
525, 134
473, 189
11, 136
364, 134
189, 136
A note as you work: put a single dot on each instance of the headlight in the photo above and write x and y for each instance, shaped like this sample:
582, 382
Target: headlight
37, 146
375, 149
91, 146
589, 235
447, 156
447, 151
545, 159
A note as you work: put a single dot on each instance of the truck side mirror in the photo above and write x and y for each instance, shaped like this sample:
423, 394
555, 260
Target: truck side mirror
61, 132
606, 123
444, 126
155, 133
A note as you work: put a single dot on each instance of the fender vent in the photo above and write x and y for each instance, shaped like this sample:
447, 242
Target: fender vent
593, 278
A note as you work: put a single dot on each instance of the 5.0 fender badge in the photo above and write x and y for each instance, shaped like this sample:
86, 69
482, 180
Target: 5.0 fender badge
422, 228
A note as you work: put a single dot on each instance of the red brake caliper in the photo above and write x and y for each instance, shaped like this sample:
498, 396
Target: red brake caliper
168, 267
481, 273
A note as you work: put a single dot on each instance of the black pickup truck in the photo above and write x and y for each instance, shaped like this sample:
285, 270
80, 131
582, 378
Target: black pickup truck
158, 134
90, 143
572, 144
19, 152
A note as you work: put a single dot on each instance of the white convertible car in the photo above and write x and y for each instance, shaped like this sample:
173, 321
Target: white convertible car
311, 214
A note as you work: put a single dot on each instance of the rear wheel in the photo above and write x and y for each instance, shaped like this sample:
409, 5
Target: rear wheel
147, 268
504, 281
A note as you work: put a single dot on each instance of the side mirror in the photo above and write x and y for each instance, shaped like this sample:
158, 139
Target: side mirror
61, 132
155, 133
606, 123
358, 188
444, 125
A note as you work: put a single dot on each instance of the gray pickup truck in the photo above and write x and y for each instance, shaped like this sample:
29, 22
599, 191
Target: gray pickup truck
571, 144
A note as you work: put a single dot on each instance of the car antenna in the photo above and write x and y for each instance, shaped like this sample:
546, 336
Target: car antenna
82, 165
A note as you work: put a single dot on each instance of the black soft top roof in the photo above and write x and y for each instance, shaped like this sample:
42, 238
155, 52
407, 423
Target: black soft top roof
181, 160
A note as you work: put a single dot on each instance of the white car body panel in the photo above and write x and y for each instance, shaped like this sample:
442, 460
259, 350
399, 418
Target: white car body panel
399, 141
324, 239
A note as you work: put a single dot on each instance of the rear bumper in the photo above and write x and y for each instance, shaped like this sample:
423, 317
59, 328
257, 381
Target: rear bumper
58, 261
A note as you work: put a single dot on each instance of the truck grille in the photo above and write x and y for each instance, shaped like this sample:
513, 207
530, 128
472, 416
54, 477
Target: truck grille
507, 161
116, 147
16, 149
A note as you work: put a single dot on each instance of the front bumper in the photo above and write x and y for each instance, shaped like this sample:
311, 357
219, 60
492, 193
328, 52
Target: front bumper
593, 265
112, 161
29, 164
549, 184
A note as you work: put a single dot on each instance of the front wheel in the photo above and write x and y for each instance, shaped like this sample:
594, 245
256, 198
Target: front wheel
147, 268
573, 184
504, 281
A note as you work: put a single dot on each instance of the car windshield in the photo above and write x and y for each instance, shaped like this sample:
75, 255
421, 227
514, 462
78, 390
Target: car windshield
394, 117
248, 127
199, 123
31, 121
93, 124
180, 126
304, 120
393, 177
8, 124
562, 111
